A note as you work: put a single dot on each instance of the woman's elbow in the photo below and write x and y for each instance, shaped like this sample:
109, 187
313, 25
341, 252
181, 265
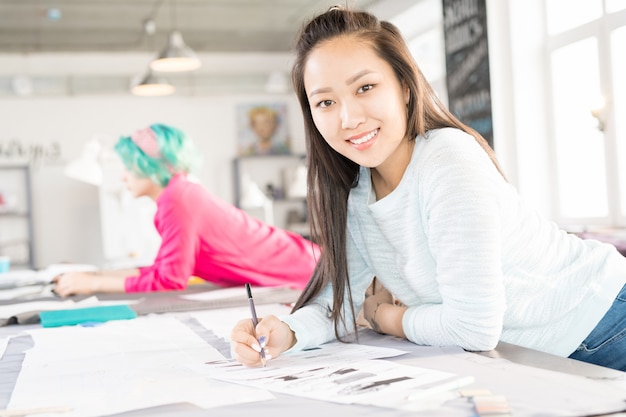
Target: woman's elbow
168, 284
477, 337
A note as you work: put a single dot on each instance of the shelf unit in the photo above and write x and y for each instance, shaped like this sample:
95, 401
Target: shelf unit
261, 185
16, 215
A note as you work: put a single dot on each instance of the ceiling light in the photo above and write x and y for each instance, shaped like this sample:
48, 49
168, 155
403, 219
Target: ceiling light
152, 86
176, 57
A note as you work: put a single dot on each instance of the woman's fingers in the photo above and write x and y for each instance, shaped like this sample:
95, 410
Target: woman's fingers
271, 335
60, 286
243, 343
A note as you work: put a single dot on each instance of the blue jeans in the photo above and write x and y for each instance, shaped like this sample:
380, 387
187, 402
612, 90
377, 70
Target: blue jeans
606, 344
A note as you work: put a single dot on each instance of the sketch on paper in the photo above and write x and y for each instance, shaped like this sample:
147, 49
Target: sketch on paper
348, 374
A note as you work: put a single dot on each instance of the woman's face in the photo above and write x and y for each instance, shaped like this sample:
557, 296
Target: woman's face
264, 125
139, 186
357, 103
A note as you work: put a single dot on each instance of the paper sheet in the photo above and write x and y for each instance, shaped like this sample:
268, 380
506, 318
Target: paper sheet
11, 310
4, 342
121, 366
221, 321
29, 283
15, 278
343, 373
27, 292
530, 391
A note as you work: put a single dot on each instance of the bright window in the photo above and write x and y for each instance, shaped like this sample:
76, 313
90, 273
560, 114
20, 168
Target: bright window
586, 43
579, 143
618, 46
615, 5
563, 15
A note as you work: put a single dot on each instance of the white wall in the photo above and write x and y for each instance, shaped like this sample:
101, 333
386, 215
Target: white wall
66, 212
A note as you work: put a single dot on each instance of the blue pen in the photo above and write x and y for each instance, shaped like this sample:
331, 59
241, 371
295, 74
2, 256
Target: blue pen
255, 321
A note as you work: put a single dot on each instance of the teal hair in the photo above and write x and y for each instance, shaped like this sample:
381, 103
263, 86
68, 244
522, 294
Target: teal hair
177, 155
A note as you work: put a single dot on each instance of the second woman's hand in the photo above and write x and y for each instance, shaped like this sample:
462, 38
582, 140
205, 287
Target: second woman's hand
75, 283
245, 340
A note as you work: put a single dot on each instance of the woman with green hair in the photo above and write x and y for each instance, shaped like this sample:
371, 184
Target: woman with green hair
201, 235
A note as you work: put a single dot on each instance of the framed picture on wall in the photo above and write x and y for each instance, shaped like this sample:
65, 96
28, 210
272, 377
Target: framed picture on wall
262, 129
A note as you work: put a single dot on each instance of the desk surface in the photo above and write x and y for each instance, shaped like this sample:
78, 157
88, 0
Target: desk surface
286, 405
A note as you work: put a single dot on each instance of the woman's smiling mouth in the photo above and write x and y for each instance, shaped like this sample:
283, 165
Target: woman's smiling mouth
364, 138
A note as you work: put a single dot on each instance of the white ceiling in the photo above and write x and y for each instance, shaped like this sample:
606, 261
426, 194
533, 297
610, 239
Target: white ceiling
86, 31
28, 26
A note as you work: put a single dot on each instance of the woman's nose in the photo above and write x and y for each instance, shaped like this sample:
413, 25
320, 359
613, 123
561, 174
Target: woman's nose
352, 114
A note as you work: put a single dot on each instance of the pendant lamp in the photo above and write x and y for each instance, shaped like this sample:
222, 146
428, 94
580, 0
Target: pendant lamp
151, 85
176, 56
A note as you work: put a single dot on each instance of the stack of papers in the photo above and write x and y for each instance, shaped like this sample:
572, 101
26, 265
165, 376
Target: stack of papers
22, 278
28, 277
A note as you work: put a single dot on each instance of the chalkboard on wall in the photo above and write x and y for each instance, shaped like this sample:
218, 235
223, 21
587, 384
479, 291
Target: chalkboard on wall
467, 64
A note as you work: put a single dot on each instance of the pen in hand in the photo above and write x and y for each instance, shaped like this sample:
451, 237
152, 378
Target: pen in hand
255, 321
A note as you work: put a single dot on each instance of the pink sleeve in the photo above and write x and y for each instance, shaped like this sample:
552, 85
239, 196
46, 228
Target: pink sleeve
175, 261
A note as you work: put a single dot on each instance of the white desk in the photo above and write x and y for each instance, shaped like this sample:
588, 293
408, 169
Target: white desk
290, 406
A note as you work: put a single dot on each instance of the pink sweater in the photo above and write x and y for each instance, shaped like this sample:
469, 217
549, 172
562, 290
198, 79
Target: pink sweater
206, 237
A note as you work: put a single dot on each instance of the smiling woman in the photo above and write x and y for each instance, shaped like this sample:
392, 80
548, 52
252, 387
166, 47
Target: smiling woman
407, 194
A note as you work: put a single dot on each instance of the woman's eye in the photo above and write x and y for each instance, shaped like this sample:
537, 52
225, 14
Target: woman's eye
324, 103
365, 88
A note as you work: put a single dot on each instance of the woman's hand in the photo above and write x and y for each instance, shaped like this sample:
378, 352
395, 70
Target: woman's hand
85, 283
271, 334
375, 296
75, 283
382, 312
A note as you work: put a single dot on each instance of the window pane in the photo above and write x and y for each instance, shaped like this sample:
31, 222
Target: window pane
614, 5
618, 46
579, 143
562, 15
428, 51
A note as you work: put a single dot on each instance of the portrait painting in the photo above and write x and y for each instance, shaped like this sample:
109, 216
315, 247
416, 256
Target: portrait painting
262, 129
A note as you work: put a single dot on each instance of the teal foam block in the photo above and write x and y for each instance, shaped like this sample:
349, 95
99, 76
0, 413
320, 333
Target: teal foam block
97, 314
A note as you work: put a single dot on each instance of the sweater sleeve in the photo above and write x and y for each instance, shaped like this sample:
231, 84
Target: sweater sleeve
458, 192
175, 260
312, 324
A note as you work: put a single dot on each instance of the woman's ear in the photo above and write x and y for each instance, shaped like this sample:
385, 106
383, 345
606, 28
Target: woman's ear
407, 95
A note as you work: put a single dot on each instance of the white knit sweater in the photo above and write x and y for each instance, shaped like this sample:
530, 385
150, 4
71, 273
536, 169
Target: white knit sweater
474, 265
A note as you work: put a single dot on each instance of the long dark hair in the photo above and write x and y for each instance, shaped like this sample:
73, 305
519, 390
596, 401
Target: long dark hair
330, 174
